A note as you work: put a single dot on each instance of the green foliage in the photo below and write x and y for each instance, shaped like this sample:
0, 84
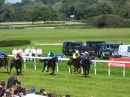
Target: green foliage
6, 12
110, 21
7, 43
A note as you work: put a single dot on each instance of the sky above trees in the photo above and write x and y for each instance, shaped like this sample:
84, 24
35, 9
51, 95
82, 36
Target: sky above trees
13, 1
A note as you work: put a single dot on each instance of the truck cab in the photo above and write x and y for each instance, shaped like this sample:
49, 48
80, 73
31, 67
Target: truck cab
68, 47
124, 51
95, 47
108, 50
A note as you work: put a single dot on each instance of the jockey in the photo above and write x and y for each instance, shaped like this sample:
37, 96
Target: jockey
76, 54
18, 55
84, 57
2, 54
51, 54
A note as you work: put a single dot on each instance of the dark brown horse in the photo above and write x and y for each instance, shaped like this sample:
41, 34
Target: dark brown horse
76, 63
17, 63
50, 63
4, 62
86, 66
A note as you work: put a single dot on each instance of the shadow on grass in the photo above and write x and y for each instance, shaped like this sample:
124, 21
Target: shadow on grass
87, 76
4, 72
51, 74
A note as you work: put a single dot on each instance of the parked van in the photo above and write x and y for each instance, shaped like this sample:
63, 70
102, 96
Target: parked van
124, 51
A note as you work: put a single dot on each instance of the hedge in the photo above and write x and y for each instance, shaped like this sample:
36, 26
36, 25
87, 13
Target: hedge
7, 43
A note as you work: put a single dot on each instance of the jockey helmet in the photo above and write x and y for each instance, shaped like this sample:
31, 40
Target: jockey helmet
86, 52
3, 53
77, 51
18, 53
51, 54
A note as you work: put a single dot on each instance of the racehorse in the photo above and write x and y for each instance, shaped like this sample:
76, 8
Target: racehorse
17, 63
4, 62
76, 63
50, 63
86, 66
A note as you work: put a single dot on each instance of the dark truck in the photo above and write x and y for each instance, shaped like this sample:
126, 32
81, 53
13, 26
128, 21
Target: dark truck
69, 48
108, 50
92, 47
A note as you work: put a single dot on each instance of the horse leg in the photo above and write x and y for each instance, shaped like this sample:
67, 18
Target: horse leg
76, 70
20, 70
44, 67
70, 70
85, 73
88, 72
17, 71
11, 68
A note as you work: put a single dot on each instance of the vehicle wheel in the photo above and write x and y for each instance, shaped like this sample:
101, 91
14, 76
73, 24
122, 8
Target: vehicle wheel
120, 56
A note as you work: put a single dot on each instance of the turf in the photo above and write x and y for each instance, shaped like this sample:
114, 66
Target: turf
62, 83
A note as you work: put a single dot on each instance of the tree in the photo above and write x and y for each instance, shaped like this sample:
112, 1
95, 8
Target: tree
127, 8
6, 12
44, 14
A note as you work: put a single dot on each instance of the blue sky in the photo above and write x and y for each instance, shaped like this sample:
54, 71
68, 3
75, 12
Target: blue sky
13, 1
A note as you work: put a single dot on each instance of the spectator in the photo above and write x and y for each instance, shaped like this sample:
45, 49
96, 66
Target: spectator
12, 81
2, 88
1, 91
41, 91
20, 51
27, 50
33, 52
8, 93
16, 93
39, 53
14, 52
32, 91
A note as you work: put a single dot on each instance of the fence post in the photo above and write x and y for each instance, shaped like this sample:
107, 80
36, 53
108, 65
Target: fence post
124, 71
34, 63
109, 68
57, 66
95, 67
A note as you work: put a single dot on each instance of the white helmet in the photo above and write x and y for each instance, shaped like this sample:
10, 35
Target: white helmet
77, 51
86, 52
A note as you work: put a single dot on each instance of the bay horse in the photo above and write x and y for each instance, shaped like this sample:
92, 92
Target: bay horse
17, 63
4, 62
86, 66
76, 63
50, 63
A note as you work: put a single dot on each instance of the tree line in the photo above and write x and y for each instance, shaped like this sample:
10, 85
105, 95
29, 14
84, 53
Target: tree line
43, 10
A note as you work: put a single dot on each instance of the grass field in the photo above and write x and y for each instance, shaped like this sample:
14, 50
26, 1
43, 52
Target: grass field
99, 85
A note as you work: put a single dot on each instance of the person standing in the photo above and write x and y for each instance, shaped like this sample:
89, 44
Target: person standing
14, 52
27, 51
33, 52
13, 81
39, 53
20, 50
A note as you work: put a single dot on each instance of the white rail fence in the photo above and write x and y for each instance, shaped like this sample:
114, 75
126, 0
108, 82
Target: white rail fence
94, 61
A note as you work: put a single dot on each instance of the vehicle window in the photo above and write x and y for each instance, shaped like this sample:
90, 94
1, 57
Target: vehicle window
114, 46
77, 44
107, 46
